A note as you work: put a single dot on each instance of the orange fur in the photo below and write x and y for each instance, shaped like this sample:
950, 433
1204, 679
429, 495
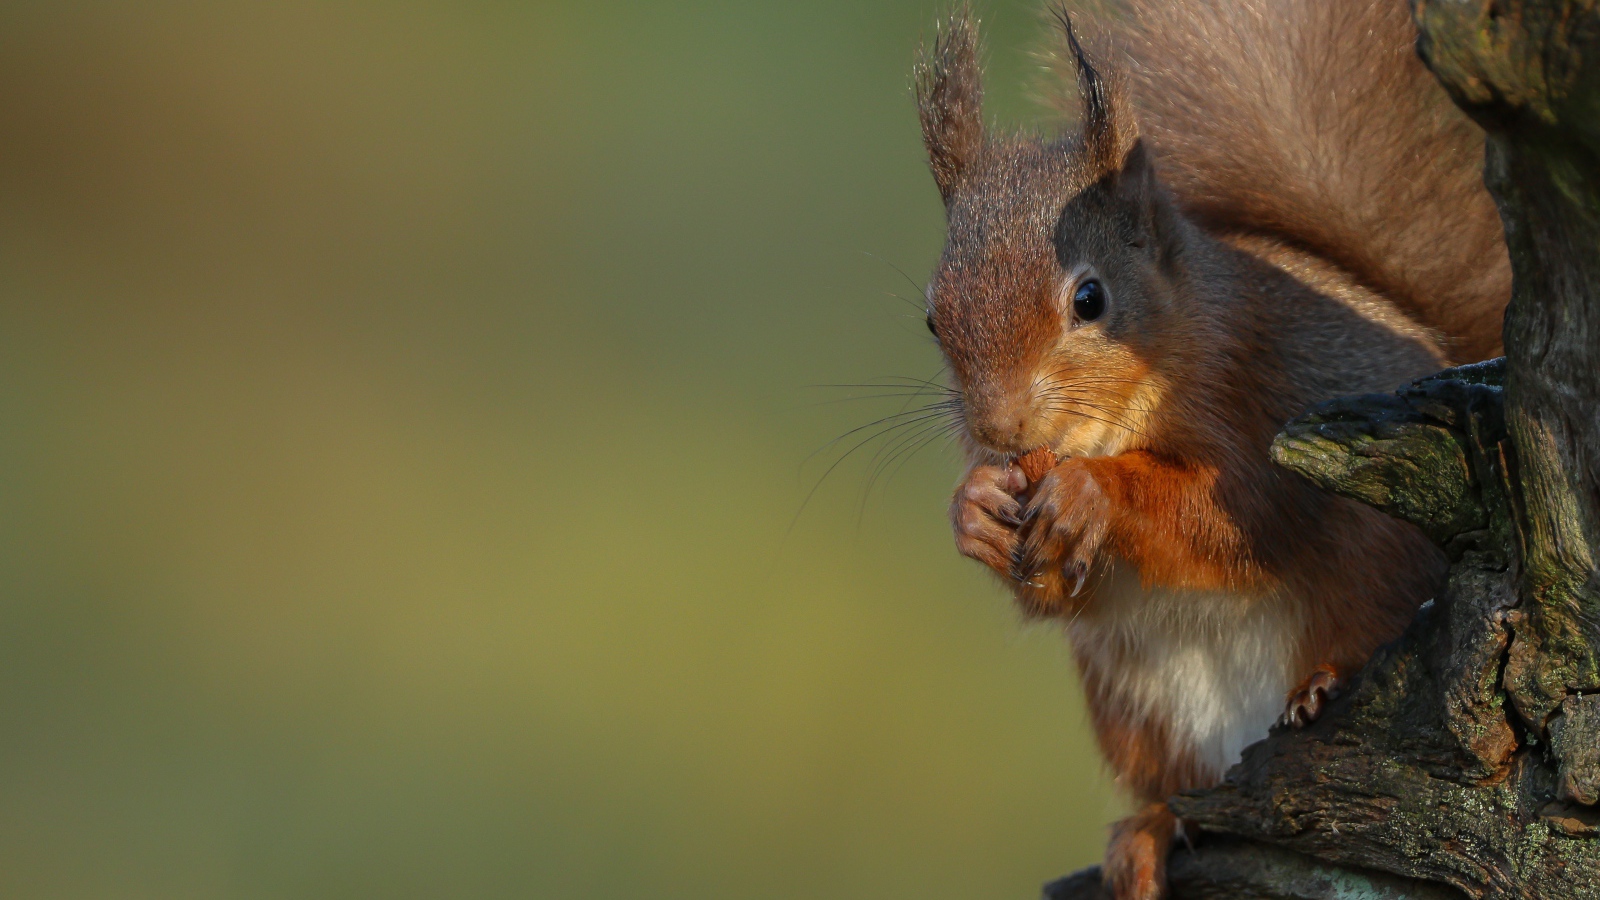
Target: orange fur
1136, 860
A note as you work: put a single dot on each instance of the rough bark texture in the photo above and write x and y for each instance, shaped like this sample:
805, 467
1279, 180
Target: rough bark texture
1465, 758
1233, 870
1530, 74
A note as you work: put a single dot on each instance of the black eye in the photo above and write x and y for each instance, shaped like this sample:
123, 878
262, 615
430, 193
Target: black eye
1089, 301
931, 329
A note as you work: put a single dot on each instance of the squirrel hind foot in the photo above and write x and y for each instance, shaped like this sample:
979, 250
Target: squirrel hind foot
1307, 702
1136, 860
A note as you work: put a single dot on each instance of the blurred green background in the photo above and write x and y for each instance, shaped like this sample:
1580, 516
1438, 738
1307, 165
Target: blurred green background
403, 412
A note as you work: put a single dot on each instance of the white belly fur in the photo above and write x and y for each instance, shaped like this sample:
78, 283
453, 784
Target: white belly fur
1213, 668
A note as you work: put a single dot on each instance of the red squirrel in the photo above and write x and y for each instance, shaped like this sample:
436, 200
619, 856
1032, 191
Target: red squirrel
1264, 204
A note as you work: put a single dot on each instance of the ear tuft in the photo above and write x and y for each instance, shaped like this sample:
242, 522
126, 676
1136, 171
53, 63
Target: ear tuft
950, 100
1109, 132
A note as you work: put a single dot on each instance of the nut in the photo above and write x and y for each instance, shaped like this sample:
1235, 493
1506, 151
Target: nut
1036, 462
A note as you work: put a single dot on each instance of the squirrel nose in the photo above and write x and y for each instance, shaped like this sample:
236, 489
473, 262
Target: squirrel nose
1004, 433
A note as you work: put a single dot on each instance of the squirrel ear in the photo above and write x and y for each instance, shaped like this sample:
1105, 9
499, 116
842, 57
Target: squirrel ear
1135, 176
1137, 187
950, 100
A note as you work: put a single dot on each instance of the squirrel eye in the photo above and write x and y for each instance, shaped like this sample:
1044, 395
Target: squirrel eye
931, 329
1089, 301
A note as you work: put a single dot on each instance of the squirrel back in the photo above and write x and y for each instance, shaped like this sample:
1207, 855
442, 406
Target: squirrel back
1315, 123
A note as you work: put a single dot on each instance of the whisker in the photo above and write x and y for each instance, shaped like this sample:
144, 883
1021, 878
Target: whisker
921, 309
1084, 401
1056, 402
908, 378
929, 389
889, 452
1111, 422
1109, 386
927, 435
1114, 392
950, 394
837, 400
909, 445
916, 429
1097, 376
933, 408
926, 414
909, 280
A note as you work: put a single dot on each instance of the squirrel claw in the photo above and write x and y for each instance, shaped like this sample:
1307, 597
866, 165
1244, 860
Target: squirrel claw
1307, 702
1078, 571
1017, 572
1021, 572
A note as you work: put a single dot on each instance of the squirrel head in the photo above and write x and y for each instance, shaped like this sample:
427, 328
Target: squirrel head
1051, 299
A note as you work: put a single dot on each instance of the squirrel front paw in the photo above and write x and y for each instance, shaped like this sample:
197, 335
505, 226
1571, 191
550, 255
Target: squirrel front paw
1064, 527
986, 514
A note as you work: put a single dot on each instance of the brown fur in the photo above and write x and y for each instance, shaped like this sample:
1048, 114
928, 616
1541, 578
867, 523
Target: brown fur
1315, 121
1263, 249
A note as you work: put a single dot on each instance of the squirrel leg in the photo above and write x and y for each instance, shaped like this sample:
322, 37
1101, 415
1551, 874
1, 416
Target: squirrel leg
1136, 859
1307, 701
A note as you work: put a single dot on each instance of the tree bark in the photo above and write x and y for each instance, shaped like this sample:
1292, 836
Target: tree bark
1528, 73
1465, 758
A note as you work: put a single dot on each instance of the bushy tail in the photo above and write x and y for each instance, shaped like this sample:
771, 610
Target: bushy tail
1315, 121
